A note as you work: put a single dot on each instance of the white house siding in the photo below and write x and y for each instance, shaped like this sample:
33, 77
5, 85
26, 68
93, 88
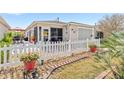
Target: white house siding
73, 30
85, 33
4, 27
3, 30
78, 32
65, 34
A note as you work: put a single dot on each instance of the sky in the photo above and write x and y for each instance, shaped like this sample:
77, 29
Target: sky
22, 20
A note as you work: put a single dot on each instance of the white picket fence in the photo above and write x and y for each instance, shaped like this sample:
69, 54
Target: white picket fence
47, 50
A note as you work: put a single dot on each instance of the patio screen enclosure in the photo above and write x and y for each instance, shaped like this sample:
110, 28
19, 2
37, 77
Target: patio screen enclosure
56, 34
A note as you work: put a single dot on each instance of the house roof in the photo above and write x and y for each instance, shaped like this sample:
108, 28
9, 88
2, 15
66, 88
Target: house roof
81, 24
2, 21
58, 22
49, 21
97, 28
52, 21
15, 29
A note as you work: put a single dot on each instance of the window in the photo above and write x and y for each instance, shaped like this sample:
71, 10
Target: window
59, 34
56, 34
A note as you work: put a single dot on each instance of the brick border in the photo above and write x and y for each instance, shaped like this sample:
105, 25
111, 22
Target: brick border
104, 74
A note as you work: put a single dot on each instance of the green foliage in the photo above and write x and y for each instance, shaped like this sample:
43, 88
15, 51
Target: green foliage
16, 34
92, 46
115, 45
7, 40
29, 57
2, 56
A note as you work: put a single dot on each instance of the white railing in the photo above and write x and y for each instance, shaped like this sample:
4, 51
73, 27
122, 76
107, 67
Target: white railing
47, 50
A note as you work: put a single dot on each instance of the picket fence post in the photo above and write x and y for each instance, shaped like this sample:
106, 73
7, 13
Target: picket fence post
0, 56
87, 41
69, 46
99, 42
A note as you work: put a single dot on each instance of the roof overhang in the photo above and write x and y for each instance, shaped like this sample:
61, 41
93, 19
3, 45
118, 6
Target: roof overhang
34, 23
3, 22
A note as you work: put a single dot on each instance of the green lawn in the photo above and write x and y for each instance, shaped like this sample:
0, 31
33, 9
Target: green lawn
83, 69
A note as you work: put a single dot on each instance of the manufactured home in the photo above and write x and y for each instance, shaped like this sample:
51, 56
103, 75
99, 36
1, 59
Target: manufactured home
59, 31
4, 27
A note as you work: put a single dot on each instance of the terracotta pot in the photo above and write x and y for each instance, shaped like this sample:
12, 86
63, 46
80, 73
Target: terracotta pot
93, 50
29, 65
33, 39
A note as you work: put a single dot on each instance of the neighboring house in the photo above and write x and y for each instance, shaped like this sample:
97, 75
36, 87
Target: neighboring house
18, 35
17, 31
4, 27
59, 31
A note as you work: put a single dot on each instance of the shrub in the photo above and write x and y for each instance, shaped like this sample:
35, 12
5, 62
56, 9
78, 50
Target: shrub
2, 56
115, 45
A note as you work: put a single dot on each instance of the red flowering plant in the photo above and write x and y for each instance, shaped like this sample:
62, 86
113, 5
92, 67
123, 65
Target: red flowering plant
29, 60
93, 48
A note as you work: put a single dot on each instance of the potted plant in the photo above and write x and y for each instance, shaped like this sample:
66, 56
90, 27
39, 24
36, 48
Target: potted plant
93, 48
29, 60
